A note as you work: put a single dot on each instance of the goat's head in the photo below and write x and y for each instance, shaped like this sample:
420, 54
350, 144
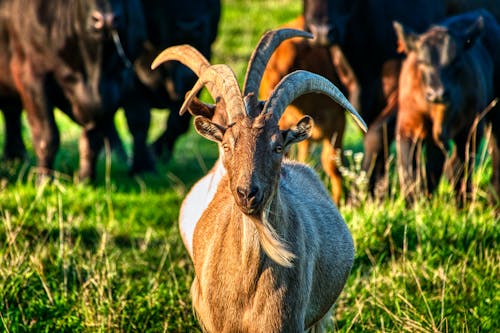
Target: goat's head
253, 148
251, 144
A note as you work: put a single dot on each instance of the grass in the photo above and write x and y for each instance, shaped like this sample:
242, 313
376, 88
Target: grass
108, 257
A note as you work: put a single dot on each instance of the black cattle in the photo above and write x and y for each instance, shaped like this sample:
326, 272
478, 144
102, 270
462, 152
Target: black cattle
70, 54
491, 41
446, 82
363, 29
169, 23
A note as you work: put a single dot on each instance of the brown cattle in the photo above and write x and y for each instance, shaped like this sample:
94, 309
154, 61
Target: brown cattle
329, 117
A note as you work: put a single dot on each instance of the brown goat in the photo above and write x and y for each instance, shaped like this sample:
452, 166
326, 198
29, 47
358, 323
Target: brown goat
329, 118
271, 251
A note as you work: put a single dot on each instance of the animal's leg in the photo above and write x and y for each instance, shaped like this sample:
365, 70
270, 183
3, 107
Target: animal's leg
378, 106
14, 145
176, 126
376, 145
303, 148
407, 166
434, 163
328, 160
115, 143
494, 146
138, 119
91, 142
461, 164
44, 132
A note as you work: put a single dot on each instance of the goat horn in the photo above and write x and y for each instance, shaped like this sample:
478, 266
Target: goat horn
223, 84
302, 82
188, 56
262, 53
185, 54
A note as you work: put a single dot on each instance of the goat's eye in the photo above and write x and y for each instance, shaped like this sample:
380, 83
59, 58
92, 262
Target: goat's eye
278, 149
225, 146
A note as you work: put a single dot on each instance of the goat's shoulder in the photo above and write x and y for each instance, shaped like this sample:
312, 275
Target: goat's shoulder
300, 177
305, 195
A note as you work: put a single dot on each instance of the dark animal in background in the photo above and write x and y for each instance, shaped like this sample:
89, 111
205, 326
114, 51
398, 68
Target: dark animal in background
491, 41
329, 117
446, 82
62, 53
363, 31
172, 22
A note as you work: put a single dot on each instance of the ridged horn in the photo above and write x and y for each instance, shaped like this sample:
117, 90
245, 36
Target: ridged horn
224, 85
303, 82
188, 56
185, 54
262, 53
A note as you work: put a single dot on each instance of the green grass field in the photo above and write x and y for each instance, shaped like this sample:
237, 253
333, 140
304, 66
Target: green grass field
109, 258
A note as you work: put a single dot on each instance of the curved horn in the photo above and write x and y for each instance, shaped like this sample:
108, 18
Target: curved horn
224, 85
188, 56
262, 53
302, 82
185, 54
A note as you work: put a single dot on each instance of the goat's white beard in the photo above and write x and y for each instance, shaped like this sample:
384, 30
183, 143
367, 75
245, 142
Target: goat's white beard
272, 243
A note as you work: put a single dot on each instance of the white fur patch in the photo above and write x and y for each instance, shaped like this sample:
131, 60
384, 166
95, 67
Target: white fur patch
195, 203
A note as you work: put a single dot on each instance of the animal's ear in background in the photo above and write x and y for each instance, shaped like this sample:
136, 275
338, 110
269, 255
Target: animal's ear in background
300, 132
473, 32
406, 38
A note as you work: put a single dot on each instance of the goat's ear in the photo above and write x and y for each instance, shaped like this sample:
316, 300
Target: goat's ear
208, 129
300, 132
198, 108
473, 32
406, 38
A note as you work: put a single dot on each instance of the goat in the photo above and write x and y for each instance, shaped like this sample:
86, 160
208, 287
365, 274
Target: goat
445, 82
329, 118
271, 251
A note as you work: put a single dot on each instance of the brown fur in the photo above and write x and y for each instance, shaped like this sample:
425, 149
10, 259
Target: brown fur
274, 261
329, 118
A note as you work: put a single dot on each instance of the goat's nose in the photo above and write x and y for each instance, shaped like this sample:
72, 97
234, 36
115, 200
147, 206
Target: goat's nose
247, 195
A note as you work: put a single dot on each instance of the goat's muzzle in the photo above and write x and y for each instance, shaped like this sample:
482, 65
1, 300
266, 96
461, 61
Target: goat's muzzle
249, 199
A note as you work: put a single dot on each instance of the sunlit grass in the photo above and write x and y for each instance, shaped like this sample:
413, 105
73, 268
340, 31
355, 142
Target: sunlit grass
108, 257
